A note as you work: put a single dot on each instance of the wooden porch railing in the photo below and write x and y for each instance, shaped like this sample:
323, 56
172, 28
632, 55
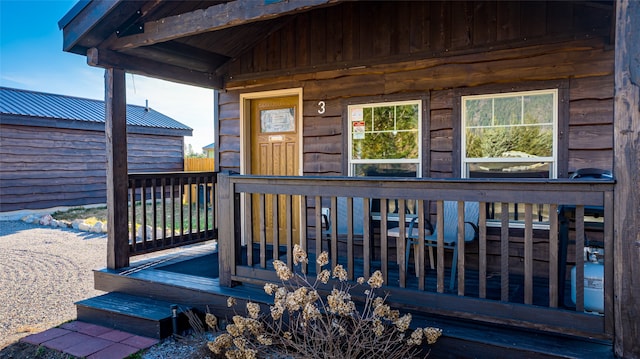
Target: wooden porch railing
507, 275
159, 220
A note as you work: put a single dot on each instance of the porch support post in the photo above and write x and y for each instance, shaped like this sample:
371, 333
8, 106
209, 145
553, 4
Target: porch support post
627, 174
117, 177
226, 233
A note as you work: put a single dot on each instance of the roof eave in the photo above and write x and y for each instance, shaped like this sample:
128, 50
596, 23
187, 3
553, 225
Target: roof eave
80, 20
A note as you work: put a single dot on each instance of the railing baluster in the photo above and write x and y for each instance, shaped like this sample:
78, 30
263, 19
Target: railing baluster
318, 214
440, 245
263, 230
132, 208
384, 255
420, 248
334, 232
553, 256
190, 196
288, 229
198, 184
366, 233
248, 226
461, 251
304, 242
154, 213
173, 210
504, 253
143, 207
181, 194
400, 246
350, 255
275, 239
482, 251
580, 258
163, 199
528, 253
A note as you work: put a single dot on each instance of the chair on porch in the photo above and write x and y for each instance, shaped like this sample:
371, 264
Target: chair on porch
358, 220
450, 234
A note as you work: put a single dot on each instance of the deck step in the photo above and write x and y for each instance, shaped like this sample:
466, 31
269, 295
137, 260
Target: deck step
138, 315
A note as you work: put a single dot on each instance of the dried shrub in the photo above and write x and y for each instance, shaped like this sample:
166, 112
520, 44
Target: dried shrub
303, 324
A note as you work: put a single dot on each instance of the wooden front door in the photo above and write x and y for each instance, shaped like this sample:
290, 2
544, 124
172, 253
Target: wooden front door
275, 152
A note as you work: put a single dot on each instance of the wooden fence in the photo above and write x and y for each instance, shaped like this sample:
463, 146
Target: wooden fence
197, 165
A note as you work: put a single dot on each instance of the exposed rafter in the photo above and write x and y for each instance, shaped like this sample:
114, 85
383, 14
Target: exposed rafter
213, 18
106, 59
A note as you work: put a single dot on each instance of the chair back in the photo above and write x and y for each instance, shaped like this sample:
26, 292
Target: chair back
358, 216
471, 214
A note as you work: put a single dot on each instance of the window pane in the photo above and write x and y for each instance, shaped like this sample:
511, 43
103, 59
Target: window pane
368, 119
386, 145
478, 112
383, 118
538, 109
508, 142
407, 117
507, 110
386, 169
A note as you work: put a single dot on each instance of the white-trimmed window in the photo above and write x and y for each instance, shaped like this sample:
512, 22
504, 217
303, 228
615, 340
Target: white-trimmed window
511, 135
385, 139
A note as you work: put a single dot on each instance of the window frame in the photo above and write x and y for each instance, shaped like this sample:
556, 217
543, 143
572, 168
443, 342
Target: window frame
385, 102
563, 118
553, 159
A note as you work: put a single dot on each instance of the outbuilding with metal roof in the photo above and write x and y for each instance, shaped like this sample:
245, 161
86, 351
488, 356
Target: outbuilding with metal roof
52, 148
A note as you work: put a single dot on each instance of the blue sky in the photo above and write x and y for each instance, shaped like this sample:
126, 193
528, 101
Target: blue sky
31, 58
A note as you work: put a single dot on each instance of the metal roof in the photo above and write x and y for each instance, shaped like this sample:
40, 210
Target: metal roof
60, 107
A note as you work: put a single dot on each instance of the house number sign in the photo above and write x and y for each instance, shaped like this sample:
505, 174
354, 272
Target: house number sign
321, 107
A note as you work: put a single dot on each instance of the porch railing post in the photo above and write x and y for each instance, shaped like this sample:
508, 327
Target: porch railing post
226, 225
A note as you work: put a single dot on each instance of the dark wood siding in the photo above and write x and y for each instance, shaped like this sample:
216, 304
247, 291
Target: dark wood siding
44, 167
361, 33
586, 63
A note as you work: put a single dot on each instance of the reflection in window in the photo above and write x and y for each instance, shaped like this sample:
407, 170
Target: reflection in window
510, 135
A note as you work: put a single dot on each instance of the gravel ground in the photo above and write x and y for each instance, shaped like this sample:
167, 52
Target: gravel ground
43, 271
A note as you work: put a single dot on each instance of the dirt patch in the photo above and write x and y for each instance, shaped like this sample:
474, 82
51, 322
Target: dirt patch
20, 350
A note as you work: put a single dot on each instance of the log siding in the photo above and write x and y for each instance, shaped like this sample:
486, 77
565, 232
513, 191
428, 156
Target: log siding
42, 167
586, 63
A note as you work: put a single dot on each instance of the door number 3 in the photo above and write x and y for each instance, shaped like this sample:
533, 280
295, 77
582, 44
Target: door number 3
322, 107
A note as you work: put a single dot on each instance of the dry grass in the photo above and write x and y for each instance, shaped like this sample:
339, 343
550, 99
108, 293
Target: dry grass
100, 214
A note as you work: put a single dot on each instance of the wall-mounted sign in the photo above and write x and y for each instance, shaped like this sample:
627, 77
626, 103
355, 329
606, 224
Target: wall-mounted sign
356, 114
358, 130
280, 120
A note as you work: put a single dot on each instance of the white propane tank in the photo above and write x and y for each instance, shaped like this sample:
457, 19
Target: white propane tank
593, 283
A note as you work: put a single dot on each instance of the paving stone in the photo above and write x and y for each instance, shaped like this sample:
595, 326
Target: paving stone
88, 347
92, 329
68, 340
47, 335
115, 335
114, 351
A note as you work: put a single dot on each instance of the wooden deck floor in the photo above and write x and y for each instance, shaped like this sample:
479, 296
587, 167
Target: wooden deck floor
168, 277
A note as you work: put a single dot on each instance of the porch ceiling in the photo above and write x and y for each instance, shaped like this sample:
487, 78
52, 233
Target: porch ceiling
182, 41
